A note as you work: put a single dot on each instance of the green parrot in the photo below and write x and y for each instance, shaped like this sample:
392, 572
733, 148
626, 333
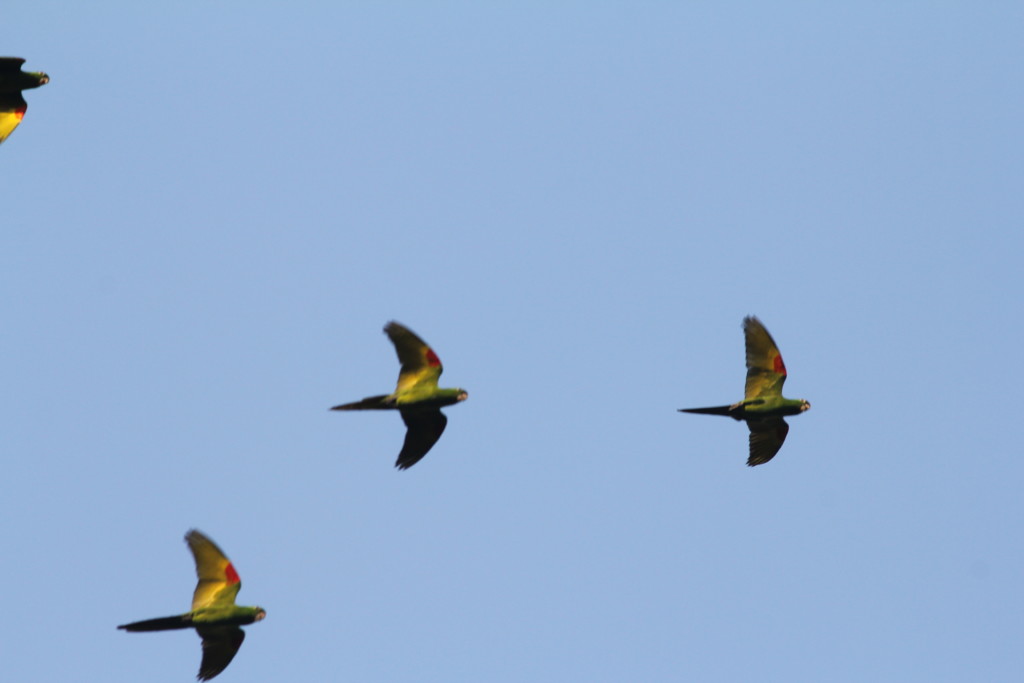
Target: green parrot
12, 81
214, 615
417, 396
763, 406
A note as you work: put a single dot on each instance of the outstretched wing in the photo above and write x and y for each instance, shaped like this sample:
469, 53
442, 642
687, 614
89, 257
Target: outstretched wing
220, 645
765, 370
10, 65
420, 365
12, 111
766, 438
218, 581
424, 428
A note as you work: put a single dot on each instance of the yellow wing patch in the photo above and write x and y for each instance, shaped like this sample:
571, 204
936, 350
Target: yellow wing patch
9, 120
218, 581
419, 362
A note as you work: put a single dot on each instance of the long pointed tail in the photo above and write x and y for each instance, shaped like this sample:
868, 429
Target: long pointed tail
161, 624
370, 403
728, 411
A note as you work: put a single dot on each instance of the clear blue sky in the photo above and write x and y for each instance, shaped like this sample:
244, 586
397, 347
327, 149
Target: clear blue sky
213, 208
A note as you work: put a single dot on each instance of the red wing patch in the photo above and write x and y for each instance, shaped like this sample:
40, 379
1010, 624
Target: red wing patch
432, 359
779, 366
230, 574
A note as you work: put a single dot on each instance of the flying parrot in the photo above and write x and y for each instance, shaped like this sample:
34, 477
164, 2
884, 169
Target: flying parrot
417, 396
763, 406
12, 81
214, 615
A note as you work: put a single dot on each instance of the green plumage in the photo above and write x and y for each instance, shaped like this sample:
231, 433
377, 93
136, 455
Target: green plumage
763, 405
417, 396
12, 81
214, 615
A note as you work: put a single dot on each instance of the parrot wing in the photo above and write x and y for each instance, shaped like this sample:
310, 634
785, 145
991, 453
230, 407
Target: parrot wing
12, 111
420, 365
766, 438
765, 370
424, 428
10, 65
218, 581
220, 645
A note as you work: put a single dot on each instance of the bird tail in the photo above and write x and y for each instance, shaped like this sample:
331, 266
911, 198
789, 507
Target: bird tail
370, 403
728, 411
161, 624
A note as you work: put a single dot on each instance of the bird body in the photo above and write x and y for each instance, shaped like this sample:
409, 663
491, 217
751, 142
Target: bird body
758, 408
214, 614
233, 615
763, 405
417, 396
12, 81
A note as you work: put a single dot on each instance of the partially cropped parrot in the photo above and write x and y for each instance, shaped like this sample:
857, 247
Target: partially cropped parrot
214, 615
763, 406
417, 396
12, 81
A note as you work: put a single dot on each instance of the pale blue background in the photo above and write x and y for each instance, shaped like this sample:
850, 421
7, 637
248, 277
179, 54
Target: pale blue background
213, 208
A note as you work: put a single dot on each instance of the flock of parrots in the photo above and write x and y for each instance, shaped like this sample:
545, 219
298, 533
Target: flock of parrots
418, 398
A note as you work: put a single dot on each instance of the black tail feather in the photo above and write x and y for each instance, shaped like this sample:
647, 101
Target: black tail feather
161, 624
728, 411
370, 403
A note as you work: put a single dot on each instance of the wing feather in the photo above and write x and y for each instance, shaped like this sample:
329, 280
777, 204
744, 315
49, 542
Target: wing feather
220, 645
12, 111
420, 365
218, 581
766, 372
11, 65
766, 438
423, 429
